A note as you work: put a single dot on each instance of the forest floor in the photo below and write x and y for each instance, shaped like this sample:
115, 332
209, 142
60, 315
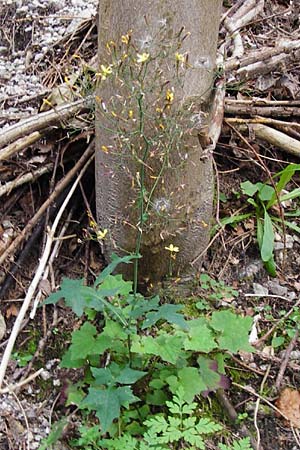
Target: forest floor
37, 43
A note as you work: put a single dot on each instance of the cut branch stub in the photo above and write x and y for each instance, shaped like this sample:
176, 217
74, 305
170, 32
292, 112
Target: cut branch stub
156, 72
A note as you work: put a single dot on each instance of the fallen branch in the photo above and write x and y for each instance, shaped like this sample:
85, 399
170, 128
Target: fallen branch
247, 11
261, 102
53, 255
238, 48
44, 120
277, 138
11, 388
26, 178
37, 277
278, 63
266, 121
19, 145
247, 109
233, 415
259, 56
59, 188
285, 360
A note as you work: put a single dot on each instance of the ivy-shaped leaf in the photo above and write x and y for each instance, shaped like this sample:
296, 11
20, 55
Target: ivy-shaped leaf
129, 376
190, 380
107, 403
166, 312
83, 341
76, 295
117, 284
115, 261
233, 331
168, 347
200, 336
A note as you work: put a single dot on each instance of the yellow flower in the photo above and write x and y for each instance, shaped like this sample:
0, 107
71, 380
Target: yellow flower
169, 96
125, 38
92, 223
172, 248
104, 148
142, 58
130, 114
179, 57
105, 71
101, 234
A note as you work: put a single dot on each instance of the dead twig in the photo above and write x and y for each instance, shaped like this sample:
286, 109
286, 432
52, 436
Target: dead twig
37, 277
271, 331
43, 120
281, 124
19, 145
261, 56
233, 415
257, 405
285, 360
13, 387
53, 255
58, 189
26, 178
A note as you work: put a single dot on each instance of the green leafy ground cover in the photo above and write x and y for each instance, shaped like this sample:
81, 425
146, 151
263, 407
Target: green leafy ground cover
146, 363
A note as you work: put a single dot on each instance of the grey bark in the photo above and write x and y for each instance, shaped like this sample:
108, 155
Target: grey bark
187, 192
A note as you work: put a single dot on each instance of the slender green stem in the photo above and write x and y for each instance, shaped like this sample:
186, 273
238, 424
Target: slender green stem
142, 187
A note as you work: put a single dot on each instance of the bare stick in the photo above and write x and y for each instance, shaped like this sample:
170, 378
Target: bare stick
26, 178
286, 360
265, 120
238, 48
264, 54
271, 330
261, 102
277, 138
59, 188
19, 145
14, 387
25, 418
36, 278
232, 414
43, 120
257, 406
53, 255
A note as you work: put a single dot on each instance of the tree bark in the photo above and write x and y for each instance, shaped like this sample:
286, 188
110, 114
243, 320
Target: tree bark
178, 197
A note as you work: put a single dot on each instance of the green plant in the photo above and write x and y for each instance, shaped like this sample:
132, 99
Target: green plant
135, 352
242, 444
217, 290
179, 429
263, 198
137, 338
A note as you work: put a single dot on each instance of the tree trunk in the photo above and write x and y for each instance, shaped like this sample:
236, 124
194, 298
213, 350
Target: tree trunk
156, 73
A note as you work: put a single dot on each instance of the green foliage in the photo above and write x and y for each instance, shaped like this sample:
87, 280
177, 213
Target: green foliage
145, 339
55, 434
263, 197
216, 290
180, 426
242, 444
